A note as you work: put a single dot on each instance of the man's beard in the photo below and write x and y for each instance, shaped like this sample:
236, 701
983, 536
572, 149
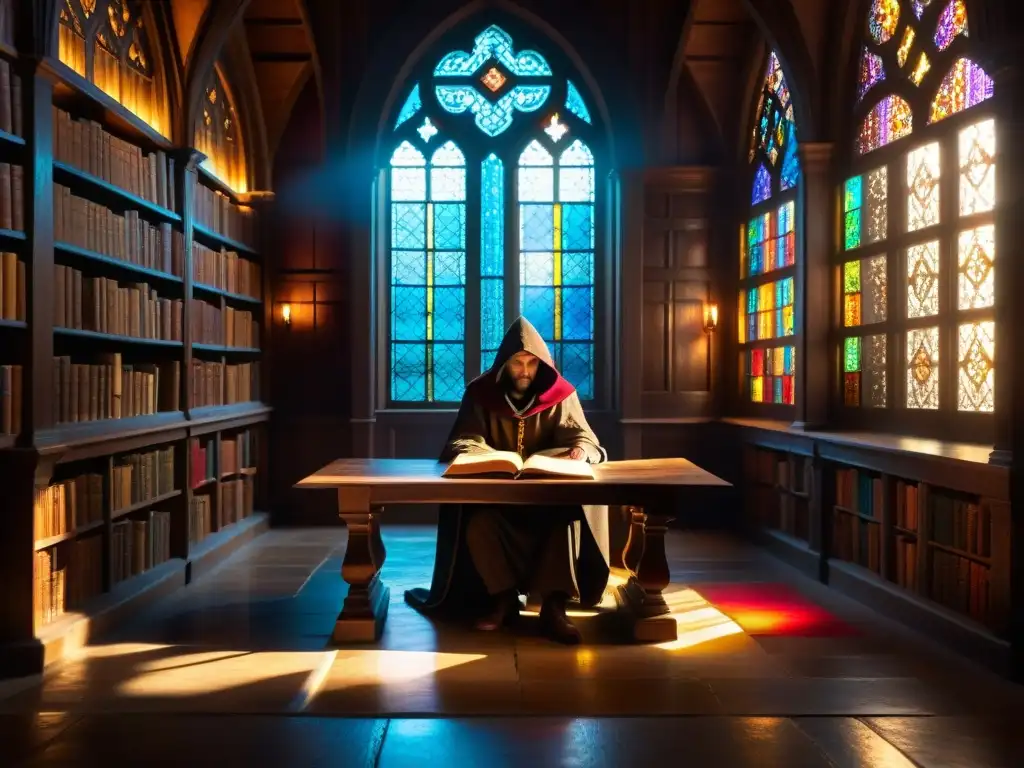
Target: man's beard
518, 387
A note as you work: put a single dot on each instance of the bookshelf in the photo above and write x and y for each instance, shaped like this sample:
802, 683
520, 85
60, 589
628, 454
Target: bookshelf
131, 306
779, 493
933, 555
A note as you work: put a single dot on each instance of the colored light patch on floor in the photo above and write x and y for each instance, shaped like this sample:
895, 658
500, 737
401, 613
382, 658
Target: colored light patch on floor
773, 609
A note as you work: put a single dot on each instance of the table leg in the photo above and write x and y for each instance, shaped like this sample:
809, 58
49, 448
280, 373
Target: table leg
365, 609
634, 548
641, 595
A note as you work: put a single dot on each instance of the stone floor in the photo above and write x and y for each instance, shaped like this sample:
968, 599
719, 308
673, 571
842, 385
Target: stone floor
236, 668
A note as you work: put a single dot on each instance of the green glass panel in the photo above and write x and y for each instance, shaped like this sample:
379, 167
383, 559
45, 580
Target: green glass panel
851, 277
851, 355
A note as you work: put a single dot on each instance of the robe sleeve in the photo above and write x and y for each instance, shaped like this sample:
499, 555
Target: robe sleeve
469, 433
573, 431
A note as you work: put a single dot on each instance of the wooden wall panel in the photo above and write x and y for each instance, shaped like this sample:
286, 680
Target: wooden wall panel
676, 285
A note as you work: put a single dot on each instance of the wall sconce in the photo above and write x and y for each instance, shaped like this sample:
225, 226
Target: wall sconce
710, 317
286, 314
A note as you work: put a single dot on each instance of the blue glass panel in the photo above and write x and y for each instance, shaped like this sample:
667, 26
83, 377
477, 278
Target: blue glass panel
577, 268
408, 372
790, 163
752, 300
497, 43
538, 306
487, 359
536, 228
492, 321
777, 386
447, 184
577, 314
577, 154
409, 268
408, 313
411, 107
449, 372
450, 226
493, 118
756, 257
449, 314
449, 268
787, 359
577, 227
492, 214
787, 290
535, 154
577, 366
751, 327
762, 186
574, 102
536, 268
408, 225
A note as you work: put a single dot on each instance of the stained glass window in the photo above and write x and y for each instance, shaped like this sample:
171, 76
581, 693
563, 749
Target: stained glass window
217, 135
543, 195
106, 42
904, 215
768, 246
556, 242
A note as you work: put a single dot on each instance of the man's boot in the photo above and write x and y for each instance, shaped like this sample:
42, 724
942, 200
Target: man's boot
555, 624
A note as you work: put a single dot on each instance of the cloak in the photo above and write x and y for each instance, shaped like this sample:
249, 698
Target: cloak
553, 422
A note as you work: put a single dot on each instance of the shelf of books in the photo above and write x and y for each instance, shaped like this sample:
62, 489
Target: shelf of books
907, 543
150, 445
935, 543
13, 317
779, 492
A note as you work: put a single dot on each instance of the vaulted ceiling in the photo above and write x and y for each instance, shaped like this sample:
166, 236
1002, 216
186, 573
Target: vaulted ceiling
282, 59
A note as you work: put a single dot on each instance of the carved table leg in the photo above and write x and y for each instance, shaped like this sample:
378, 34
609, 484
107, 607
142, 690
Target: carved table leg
634, 549
365, 609
641, 595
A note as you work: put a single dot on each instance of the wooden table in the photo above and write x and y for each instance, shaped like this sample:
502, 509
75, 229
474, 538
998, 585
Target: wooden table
647, 488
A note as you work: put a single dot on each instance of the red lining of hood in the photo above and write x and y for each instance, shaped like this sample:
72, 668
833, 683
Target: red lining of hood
491, 395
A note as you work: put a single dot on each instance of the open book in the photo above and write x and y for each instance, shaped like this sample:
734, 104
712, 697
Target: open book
511, 464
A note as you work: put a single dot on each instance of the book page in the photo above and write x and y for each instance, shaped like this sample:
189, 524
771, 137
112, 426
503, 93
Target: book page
507, 462
539, 464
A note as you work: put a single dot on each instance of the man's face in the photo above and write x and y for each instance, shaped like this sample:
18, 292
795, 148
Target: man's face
522, 369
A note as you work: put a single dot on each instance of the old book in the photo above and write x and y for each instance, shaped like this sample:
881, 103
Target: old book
510, 463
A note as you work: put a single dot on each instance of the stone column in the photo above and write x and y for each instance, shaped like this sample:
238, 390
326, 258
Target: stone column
813, 265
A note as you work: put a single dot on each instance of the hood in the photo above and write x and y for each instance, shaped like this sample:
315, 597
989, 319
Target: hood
549, 386
521, 336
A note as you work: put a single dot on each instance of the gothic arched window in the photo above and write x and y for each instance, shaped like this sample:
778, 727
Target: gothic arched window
768, 248
218, 135
491, 191
105, 42
918, 228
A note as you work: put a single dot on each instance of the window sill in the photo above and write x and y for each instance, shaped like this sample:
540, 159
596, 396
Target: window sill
975, 453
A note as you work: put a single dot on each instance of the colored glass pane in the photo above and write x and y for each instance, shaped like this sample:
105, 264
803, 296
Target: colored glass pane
883, 19
427, 131
952, 22
890, 119
771, 240
770, 375
920, 69
574, 102
762, 185
965, 86
412, 105
428, 274
923, 171
865, 209
491, 117
906, 44
923, 368
923, 279
864, 371
492, 261
976, 279
976, 365
493, 43
872, 71
977, 152
769, 310
556, 255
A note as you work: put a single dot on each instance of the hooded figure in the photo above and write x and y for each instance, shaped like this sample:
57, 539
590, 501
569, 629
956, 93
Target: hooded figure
487, 555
